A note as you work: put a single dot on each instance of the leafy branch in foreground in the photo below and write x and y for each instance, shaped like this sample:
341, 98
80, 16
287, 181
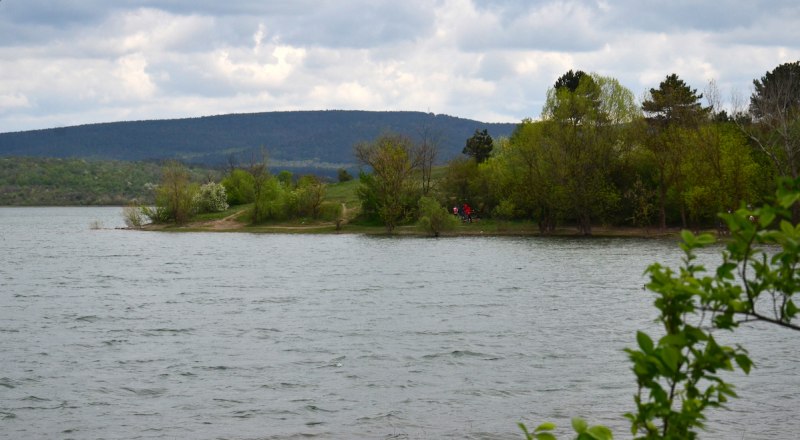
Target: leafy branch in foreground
678, 375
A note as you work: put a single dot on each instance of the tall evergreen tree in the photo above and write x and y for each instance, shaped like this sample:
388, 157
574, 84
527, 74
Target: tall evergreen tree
670, 110
479, 146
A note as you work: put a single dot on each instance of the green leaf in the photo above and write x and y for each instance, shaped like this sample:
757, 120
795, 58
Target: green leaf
528, 435
791, 309
645, 343
674, 340
744, 362
687, 237
705, 239
766, 217
579, 425
671, 357
789, 199
546, 426
544, 436
600, 433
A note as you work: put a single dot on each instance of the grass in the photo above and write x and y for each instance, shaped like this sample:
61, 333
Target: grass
345, 193
211, 216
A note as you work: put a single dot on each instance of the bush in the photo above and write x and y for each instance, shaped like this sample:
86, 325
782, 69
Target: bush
211, 198
330, 212
504, 211
434, 218
133, 216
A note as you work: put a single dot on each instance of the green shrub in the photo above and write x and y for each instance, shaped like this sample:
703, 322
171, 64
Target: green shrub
239, 187
434, 218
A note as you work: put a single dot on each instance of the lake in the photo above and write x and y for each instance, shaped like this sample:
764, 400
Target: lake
109, 333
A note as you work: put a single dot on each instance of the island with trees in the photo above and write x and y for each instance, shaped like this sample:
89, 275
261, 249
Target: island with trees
594, 163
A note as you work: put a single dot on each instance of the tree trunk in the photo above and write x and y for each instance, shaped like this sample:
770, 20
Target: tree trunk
662, 208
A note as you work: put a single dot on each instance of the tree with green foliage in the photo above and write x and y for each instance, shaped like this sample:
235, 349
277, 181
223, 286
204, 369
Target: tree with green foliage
343, 176
434, 218
268, 193
459, 179
532, 176
719, 172
674, 103
479, 146
678, 373
286, 178
391, 186
583, 132
671, 110
310, 195
175, 193
239, 187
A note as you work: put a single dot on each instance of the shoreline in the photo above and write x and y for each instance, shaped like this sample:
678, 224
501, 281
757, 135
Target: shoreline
476, 229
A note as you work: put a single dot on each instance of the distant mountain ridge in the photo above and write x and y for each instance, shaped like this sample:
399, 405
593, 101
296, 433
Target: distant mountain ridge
321, 139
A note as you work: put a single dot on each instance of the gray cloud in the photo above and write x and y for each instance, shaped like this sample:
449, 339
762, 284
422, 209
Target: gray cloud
66, 62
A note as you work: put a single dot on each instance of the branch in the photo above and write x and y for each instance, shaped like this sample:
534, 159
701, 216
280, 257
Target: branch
759, 317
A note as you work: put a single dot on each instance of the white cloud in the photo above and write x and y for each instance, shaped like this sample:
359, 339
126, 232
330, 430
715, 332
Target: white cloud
483, 59
133, 80
13, 101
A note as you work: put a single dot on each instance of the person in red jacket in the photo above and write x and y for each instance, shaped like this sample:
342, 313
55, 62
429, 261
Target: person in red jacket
468, 212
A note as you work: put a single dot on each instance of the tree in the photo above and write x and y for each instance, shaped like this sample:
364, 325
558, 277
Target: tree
239, 186
175, 194
674, 103
678, 373
671, 110
533, 175
719, 172
343, 175
775, 109
310, 194
479, 146
582, 134
211, 197
390, 187
268, 200
570, 80
428, 151
459, 179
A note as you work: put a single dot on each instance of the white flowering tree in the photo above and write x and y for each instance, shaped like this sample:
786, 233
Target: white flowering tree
211, 198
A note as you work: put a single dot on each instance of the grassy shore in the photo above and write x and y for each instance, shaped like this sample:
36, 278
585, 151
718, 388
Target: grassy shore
235, 219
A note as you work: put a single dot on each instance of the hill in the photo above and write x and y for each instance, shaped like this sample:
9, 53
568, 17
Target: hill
299, 140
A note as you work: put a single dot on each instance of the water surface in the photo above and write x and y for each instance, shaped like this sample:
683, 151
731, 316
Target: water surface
122, 334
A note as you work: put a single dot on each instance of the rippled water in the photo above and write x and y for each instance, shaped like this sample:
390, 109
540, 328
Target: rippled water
121, 334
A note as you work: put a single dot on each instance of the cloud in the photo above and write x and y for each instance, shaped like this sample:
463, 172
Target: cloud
69, 62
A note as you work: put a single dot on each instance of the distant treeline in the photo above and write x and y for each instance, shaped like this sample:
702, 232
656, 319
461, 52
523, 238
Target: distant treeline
26, 181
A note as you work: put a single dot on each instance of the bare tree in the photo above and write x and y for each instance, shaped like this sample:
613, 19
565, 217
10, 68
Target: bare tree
427, 153
775, 112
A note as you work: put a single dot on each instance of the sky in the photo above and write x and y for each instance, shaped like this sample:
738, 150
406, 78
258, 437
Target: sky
71, 62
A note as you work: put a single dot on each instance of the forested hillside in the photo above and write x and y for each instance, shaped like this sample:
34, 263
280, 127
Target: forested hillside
305, 140
47, 181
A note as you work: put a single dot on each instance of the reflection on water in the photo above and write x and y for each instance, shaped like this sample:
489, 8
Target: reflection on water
123, 334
